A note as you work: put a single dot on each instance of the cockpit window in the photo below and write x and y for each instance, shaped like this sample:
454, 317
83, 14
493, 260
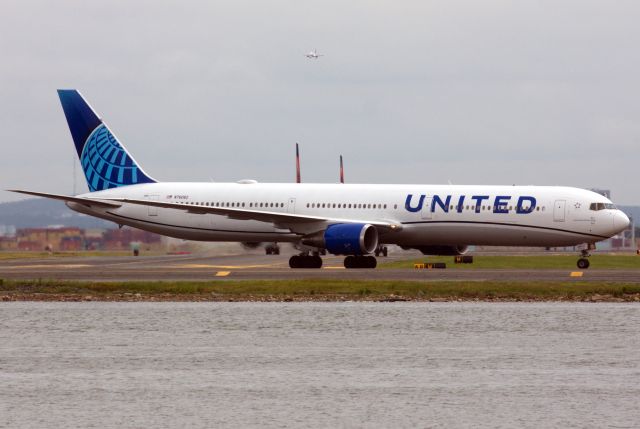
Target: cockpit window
601, 206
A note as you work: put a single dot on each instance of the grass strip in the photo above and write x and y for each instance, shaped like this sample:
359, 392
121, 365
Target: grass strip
567, 262
70, 254
319, 290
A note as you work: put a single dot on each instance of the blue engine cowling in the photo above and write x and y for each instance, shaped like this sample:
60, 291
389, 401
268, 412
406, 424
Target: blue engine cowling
346, 239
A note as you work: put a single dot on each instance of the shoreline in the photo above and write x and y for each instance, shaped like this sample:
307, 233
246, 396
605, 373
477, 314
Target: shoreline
37, 297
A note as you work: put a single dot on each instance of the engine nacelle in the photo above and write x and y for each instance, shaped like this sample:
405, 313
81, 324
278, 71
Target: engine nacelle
443, 250
345, 239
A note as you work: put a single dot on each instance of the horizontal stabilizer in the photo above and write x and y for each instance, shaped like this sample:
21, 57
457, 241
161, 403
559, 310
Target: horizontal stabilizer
66, 198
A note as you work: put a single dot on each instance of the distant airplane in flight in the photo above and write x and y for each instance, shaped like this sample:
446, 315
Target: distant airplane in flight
343, 219
313, 55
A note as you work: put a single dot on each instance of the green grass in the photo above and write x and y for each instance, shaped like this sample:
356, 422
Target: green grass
526, 261
329, 289
5, 255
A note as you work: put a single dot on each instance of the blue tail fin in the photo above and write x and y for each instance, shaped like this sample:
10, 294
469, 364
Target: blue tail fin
106, 163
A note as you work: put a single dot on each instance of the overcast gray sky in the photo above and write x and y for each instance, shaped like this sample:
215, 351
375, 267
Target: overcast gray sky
472, 92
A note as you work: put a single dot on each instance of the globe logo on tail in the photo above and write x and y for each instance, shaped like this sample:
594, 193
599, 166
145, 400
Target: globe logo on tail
107, 164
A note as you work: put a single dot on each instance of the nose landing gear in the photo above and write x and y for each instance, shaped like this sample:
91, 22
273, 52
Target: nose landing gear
583, 262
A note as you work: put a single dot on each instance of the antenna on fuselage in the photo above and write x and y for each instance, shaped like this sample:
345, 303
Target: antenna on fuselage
341, 170
298, 180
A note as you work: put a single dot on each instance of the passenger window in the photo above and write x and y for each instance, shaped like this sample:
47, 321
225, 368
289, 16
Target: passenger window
385, 206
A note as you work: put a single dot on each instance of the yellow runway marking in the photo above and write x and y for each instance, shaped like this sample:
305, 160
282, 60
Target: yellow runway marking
228, 267
576, 274
48, 266
223, 273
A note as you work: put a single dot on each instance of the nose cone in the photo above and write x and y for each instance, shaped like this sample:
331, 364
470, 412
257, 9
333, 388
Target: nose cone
620, 221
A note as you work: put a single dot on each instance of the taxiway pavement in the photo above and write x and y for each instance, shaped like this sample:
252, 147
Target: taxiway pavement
263, 267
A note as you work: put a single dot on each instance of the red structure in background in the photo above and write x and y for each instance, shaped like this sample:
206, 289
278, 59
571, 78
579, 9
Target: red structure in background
76, 239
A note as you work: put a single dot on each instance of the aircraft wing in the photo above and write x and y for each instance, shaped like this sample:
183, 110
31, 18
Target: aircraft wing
287, 220
89, 202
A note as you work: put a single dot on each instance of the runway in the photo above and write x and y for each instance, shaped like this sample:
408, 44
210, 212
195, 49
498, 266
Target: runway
263, 267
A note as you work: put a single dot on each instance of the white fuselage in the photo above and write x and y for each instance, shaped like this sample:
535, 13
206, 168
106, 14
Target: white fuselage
428, 214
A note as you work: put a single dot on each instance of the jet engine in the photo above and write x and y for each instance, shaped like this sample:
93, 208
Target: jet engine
443, 250
345, 239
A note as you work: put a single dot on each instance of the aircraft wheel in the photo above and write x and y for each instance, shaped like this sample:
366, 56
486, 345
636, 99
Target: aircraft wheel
276, 251
360, 262
316, 262
349, 262
384, 251
583, 263
298, 261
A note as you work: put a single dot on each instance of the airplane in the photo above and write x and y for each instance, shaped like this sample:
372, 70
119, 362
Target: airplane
350, 220
313, 55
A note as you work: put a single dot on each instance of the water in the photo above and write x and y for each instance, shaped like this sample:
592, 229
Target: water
119, 365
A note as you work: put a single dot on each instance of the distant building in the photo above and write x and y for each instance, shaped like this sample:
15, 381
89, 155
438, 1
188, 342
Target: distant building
7, 230
8, 243
76, 239
45, 238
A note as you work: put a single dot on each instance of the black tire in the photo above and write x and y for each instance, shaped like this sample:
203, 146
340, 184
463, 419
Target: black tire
349, 262
583, 263
370, 262
384, 251
317, 262
277, 251
294, 261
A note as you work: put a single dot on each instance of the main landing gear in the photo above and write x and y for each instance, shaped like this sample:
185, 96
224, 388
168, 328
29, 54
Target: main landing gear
305, 261
272, 249
360, 262
381, 250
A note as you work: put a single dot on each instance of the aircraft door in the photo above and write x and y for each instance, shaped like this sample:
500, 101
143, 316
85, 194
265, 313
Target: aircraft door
153, 211
559, 210
291, 205
426, 209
